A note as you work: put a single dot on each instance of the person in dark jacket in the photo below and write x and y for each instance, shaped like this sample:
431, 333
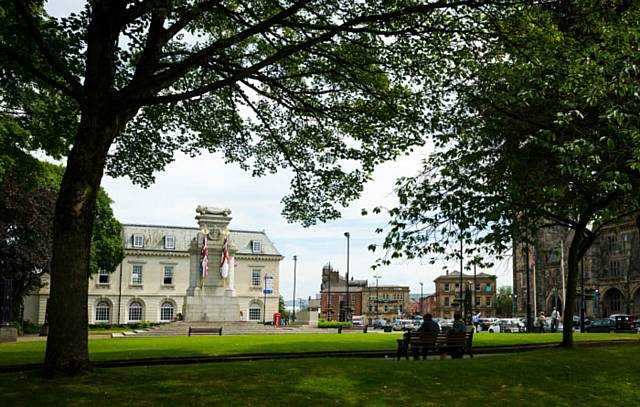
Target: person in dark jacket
429, 325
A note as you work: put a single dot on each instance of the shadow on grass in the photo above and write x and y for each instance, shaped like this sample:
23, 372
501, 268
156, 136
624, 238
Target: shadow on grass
606, 376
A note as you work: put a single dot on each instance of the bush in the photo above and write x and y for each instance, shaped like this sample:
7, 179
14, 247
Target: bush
333, 324
27, 327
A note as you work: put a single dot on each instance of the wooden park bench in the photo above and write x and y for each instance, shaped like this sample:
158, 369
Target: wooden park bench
204, 331
363, 328
426, 343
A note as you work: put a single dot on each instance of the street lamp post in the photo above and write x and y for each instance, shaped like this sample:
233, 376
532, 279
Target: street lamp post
329, 309
347, 317
295, 264
473, 299
377, 297
461, 261
582, 304
526, 268
421, 299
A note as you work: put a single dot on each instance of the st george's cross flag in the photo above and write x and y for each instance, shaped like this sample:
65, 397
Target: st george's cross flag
204, 260
224, 259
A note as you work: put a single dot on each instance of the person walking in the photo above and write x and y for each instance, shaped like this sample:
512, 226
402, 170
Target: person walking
555, 319
475, 320
541, 322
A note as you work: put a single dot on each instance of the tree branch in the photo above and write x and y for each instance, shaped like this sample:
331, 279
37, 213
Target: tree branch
74, 86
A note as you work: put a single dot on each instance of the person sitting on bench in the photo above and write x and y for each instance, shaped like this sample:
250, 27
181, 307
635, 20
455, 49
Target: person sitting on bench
428, 325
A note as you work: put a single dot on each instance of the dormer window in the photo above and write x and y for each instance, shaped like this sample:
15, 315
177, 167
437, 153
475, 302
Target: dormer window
138, 241
103, 277
256, 246
169, 242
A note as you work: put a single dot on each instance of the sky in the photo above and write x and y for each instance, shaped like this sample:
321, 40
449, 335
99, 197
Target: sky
255, 204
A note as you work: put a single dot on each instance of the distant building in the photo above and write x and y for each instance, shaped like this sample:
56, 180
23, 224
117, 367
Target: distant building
422, 305
160, 280
388, 302
611, 270
447, 297
334, 303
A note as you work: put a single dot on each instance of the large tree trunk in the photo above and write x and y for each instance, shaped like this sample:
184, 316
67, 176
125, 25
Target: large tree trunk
67, 349
572, 281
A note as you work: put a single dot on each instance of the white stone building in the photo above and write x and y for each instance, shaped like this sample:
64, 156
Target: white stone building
160, 277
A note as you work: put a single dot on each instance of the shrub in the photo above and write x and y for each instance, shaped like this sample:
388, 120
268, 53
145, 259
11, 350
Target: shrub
27, 327
333, 324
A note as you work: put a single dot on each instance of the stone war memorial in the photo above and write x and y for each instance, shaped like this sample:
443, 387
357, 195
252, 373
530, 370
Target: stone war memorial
161, 278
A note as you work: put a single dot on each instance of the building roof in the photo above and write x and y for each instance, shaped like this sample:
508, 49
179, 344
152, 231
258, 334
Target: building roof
154, 238
457, 274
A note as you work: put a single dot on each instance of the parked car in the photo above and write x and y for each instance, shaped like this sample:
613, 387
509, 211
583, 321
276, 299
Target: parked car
445, 323
484, 323
623, 323
506, 325
605, 325
576, 321
402, 325
379, 323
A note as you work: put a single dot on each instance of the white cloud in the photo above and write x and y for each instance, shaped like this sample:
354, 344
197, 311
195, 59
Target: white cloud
255, 205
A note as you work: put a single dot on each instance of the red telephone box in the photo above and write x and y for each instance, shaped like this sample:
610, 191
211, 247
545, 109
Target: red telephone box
277, 319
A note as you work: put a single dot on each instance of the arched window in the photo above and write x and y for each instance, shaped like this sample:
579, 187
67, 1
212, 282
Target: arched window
255, 313
102, 311
135, 312
166, 311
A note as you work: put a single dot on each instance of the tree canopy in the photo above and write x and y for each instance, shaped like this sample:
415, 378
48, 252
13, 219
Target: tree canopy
26, 222
542, 131
324, 89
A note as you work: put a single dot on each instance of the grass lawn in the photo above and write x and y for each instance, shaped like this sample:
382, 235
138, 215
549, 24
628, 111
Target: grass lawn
128, 348
594, 377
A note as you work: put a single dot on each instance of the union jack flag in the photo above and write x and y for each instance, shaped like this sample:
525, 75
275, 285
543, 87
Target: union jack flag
204, 260
224, 259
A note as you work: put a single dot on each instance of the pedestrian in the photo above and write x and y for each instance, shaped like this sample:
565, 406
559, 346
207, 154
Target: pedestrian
541, 322
475, 320
555, 319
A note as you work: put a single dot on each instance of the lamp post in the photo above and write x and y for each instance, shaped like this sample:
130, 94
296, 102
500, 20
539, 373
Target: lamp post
347, 313
295, 264
526, 268
377, 297
329, 309
421, 303
461, 261
582, 304
473, 299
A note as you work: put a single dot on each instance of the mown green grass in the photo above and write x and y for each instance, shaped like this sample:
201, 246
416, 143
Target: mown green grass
136, 348
554, 377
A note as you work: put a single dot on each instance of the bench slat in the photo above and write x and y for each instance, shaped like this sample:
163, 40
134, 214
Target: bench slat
204, 331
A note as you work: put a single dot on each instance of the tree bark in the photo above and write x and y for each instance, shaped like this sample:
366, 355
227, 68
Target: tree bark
67, 344
572, 281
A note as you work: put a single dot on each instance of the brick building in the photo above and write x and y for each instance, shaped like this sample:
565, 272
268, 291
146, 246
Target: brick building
447, 296
388, 302
333, 295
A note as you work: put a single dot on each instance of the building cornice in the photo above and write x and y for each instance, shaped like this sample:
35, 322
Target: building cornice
149, 252
267, 257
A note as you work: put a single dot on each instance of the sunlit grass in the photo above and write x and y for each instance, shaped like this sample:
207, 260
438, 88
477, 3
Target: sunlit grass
155, 347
